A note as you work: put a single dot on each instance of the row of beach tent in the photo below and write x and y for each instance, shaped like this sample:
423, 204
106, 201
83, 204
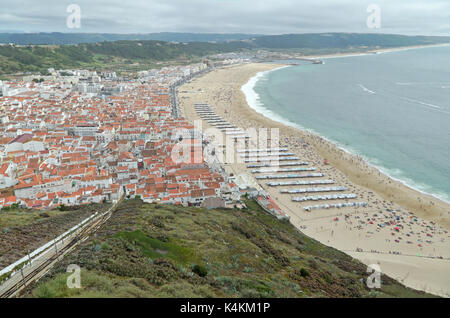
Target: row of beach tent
335, 206
290, 176
280, 164
271, 159
268, 154
262, 150
325, 197
299, 183
205, 112
283, 170
312, 190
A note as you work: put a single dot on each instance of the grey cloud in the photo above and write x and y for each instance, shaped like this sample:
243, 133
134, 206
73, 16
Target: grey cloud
224, 16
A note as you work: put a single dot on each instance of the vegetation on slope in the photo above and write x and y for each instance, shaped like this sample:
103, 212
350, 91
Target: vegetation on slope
143, 54
23, 230
343, 41
40, 58
57, 38
148, 250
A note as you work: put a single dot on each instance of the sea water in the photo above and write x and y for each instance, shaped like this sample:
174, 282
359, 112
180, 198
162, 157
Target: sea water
391, 108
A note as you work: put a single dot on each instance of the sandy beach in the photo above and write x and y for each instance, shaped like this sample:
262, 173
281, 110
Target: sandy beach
412, 245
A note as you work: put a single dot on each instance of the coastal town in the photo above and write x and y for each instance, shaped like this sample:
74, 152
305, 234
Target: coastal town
259, 154
78, 137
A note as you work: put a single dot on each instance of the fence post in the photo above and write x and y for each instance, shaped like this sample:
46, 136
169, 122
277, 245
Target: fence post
29, 257
56, 249
23, 276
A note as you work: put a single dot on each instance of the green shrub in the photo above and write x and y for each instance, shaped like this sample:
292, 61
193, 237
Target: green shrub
200, 270
304, 273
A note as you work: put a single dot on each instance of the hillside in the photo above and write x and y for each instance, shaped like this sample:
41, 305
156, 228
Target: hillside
57, 38
148, 250
23, 230
343, 41
98, 55
126, 55
307, 40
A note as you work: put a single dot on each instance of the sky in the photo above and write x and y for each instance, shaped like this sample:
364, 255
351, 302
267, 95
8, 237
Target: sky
411, 17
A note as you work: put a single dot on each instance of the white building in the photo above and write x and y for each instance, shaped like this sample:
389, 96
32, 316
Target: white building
8, 175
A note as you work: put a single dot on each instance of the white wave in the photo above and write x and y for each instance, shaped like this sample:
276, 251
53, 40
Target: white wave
422, 83
399, 176
395, 174
254, 102
421, 103
366, 89
429, 106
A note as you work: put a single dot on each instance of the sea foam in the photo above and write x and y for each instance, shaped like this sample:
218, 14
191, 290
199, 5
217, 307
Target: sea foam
254, 101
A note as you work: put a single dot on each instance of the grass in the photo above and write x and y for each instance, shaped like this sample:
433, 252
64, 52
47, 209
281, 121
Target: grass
146, 250
122, 56
24, 230
94, 285
154, 248
20, 217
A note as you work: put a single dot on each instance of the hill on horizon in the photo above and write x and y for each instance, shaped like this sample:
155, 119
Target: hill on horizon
302, 40
135, 55
58, 38
343, 40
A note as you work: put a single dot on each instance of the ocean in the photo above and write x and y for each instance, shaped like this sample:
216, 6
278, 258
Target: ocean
391, 108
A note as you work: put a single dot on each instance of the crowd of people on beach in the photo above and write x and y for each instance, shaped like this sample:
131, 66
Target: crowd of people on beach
402, 227
396, 231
